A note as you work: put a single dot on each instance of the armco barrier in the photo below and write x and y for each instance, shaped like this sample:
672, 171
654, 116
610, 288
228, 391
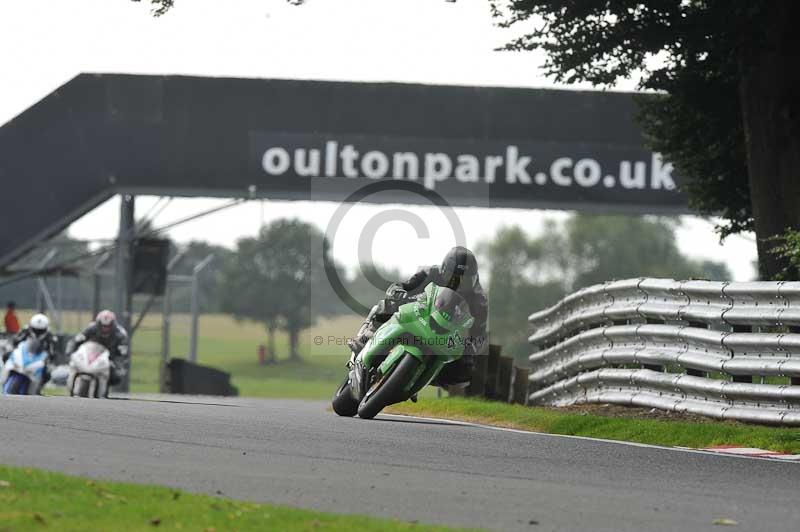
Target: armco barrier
694, 346
184, 377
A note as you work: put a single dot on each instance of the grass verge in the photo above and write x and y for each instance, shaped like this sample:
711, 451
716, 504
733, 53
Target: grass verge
32, 499
656, 432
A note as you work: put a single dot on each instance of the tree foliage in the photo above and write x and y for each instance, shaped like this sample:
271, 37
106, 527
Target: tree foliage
275, 278
209, 295
788, 248
527, 274
160, 7
697, 122
717, 104
68, 292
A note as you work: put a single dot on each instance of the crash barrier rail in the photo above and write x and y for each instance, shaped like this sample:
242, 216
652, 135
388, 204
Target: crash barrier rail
181, 376
721, 349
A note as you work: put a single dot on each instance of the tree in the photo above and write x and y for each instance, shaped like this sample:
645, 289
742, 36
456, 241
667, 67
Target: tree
245, 274
210, 295
274, 278
728, 116
617, 247
789, 249
518, 285
160, 7
528, 274
370, 284
69, 256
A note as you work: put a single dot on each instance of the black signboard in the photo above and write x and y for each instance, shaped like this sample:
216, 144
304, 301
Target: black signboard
519, 173
99, 135
150, 257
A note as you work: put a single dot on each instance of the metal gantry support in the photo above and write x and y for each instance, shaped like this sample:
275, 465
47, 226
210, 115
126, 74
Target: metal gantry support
167, 308
97, 283
46, 301
196, 304
124, 297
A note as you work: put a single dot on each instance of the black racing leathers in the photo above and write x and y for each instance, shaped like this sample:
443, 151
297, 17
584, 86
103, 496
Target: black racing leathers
46, 340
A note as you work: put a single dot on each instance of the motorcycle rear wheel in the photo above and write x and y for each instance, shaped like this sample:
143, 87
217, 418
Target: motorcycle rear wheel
343, 402
390, 388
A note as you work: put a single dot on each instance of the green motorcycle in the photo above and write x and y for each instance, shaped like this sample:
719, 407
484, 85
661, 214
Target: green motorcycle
406, 353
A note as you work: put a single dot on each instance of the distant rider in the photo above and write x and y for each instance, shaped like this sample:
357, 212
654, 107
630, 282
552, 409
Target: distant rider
107, 332
39, 329
459, 271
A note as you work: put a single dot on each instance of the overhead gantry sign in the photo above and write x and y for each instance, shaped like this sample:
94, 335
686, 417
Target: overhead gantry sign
100, 135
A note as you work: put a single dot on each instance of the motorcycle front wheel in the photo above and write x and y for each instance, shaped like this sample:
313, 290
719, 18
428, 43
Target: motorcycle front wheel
80, 387
16, 384
389, 388
343, 402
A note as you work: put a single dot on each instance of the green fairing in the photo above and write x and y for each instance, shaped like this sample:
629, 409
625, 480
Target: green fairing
409, 331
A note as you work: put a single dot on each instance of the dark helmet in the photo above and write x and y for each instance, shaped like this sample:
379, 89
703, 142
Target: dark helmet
460, 269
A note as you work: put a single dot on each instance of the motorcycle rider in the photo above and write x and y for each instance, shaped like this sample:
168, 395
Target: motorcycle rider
459, 272
39, 329
107, 332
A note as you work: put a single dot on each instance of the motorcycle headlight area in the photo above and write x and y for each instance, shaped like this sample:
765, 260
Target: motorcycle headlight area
82, 365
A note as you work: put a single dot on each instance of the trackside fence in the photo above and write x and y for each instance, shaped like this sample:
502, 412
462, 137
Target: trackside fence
496, 377
721, 349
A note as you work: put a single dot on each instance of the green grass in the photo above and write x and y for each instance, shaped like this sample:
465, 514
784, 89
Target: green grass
657, 432
233, 346
32, 499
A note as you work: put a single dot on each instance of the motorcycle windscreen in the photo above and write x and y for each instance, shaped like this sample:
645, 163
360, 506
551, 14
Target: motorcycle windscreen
93, 351
451, 311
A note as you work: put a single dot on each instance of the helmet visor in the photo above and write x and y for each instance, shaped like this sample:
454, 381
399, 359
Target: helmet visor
463, 282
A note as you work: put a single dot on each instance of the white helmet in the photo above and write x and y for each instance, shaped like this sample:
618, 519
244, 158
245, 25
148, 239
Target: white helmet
106, 321
39, 324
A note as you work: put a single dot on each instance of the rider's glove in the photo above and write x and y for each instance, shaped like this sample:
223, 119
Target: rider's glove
396, 291
119, 368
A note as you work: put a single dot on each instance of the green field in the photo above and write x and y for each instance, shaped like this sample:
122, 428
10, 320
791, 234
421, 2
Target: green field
233, 347
656, 432
31, 499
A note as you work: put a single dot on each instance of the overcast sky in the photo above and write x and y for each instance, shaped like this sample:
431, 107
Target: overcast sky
45, 43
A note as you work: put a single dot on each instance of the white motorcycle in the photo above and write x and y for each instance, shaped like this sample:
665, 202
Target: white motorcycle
89, 371
23, 371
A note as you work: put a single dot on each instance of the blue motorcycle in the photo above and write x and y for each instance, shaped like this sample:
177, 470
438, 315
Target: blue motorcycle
23, 372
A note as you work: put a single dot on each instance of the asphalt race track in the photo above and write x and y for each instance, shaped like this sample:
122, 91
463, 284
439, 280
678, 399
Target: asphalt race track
299, 453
